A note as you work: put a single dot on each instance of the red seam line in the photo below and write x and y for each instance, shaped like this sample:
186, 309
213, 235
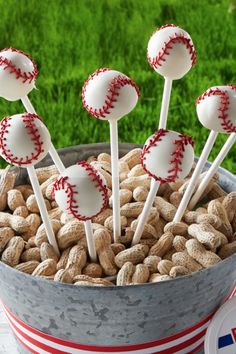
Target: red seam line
113, 92
165, 26
146, 150
28, 119
114, 348
8, 64
177, 155
225, 122
69, 189
176, 38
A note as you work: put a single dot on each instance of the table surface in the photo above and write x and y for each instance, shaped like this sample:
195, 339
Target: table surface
7, 341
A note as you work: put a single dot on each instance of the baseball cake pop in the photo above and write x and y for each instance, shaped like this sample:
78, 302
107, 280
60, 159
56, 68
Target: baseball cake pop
81, 191
18, 73
110, 95
215, 110
24, 141
166, 157
170, 53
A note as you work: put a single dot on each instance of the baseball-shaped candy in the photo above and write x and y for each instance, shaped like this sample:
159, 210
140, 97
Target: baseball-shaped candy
216, 109
18, 73
109, 94
168, 155
171, 52
24, 139
81, 191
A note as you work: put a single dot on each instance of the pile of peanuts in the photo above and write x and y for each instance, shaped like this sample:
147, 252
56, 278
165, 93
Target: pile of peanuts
166, 250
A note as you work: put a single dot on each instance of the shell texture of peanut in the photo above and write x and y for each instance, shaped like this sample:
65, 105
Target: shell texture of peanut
166, 250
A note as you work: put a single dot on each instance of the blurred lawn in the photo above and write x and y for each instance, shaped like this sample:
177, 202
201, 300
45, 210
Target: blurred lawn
69, 39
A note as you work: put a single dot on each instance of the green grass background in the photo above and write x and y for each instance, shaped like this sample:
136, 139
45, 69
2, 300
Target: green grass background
69, 39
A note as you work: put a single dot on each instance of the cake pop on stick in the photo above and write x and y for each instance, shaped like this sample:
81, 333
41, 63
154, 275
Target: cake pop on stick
216, 111
212, 170
18, 73
110, 95
81, 191
24, 141
170, 53
166, 157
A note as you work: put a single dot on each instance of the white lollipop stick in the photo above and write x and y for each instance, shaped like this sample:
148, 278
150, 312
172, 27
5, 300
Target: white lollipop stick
212, 170
42, 208
165, 103
193, 180
115, 178
144, 215
162, 156
52, 151
90, 241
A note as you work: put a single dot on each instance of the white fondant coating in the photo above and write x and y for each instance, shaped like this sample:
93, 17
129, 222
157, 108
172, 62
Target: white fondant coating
178, 62
97, 89
87, 196
11, 88
157, 161
208, 109
19, 143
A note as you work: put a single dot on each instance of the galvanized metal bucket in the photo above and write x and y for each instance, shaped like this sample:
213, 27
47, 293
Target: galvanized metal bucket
125, 317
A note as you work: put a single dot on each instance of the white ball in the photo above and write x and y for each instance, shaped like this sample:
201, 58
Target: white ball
109, 94
171, 52
81, 191
216, 109
168, 155
18, 73
24, 139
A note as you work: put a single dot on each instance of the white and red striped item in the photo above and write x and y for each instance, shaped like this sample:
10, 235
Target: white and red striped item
187, 341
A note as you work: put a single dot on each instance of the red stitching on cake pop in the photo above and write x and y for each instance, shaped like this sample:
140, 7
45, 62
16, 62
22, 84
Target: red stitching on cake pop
165, 26
113, 92
28, 119
8, 64
177, 155
92, 172
225, 122
69, 189
176, 38
157, 137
